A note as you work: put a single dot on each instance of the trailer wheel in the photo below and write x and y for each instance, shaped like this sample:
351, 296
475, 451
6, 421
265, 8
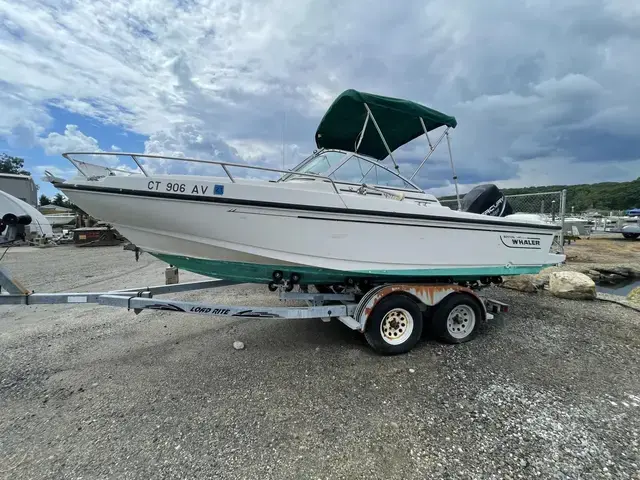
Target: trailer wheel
631, 235
456, 318
394, 326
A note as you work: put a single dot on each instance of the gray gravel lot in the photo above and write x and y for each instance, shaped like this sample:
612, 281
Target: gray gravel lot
550, 390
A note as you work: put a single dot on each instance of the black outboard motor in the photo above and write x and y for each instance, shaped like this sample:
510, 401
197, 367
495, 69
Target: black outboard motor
486, 199
14, 224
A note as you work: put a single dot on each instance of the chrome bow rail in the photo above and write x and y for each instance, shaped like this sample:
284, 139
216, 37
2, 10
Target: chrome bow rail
135, 156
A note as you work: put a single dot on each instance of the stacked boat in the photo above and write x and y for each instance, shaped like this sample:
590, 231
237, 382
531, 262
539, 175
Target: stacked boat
339, 217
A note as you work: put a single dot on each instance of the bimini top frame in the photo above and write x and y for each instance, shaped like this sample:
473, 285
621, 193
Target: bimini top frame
344, 127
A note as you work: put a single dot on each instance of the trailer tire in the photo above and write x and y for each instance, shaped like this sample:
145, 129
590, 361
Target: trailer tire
631, 236
395, 325
457, 318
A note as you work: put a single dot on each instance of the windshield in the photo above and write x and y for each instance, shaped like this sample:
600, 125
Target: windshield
325, 162
354, 170
359, 170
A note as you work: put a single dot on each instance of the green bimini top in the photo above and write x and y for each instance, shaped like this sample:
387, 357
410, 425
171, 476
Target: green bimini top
398, 120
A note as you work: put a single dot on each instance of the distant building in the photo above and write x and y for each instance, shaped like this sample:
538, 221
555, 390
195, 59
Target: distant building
20, 186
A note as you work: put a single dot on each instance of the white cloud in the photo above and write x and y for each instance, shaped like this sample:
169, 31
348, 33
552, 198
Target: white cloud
72, 140
21, 120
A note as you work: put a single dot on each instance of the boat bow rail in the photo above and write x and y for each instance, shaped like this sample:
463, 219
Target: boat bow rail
87, 168
94, 171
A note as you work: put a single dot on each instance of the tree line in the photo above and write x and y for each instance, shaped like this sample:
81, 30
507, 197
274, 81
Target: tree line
59, 200
14, 165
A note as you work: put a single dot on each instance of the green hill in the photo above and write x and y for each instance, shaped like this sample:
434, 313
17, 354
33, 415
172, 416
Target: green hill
604, 196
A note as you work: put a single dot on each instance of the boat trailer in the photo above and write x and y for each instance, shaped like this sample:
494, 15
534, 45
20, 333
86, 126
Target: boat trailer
391, 316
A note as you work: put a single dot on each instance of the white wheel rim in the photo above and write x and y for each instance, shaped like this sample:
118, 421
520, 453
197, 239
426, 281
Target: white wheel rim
396, 326
461, 321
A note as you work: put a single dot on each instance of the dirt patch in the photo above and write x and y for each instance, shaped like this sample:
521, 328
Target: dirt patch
610, 250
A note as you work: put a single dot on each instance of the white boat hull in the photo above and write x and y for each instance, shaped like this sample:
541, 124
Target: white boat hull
249, 229
57, 220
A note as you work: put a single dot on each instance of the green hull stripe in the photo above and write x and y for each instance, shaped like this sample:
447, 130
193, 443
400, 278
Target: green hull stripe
253, 273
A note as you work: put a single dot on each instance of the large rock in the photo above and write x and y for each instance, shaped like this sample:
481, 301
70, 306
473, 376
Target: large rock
618, 270
522, 283
594, 275
543, 276
634, 296
573, 285
626, 271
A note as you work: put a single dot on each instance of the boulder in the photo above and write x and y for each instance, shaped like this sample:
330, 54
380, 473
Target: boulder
572, 285
610, 279
595, 275
540, 281
522, 283
543, 276
626, 271
617, 270
634, 296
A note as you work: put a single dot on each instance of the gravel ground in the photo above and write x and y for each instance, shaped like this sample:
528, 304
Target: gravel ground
550, 390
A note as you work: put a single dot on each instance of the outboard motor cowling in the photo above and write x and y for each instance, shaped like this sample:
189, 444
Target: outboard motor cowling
14, 226
11, 219
486, 199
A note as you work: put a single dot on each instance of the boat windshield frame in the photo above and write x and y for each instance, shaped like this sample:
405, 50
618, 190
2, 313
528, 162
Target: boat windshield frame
296, 171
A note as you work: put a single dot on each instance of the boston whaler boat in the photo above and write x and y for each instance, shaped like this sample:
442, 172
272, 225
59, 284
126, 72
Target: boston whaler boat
339, 217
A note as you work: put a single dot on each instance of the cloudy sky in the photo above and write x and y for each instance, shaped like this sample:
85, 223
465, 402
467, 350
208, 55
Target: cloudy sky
544, 91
